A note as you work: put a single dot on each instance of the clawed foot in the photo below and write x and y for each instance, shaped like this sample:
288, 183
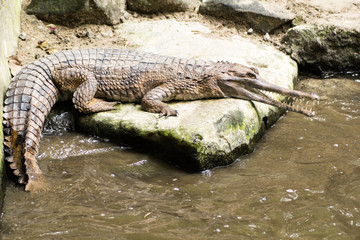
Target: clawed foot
167, 112
108, 106
99, 105
156, 106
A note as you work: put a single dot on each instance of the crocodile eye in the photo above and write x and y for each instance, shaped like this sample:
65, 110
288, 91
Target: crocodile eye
251, 75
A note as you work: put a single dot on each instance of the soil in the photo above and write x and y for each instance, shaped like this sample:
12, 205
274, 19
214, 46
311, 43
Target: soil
43, 38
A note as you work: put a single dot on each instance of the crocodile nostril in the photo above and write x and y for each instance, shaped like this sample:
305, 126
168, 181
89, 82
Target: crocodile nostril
265, 120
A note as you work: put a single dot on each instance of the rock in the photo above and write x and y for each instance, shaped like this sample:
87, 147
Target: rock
266, 37
342, 14
77, 12
90, 34
323, 49
9, 33
108, 33
250, 31
60, 119
162, 6
207, 133
85, 33
23, 36
260, 16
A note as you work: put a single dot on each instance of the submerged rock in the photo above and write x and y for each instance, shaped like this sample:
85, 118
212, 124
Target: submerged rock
207, 133
78, 11
261, 16
323, 49
60, 119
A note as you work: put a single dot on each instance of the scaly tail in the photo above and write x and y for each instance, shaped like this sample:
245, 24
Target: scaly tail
29, 99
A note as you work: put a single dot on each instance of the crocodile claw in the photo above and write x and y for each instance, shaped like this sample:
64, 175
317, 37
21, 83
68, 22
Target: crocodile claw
167, 112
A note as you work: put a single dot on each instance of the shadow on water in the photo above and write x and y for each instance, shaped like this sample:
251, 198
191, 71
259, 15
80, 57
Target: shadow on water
302, 182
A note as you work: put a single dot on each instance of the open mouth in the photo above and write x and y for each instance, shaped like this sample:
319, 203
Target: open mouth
257, 89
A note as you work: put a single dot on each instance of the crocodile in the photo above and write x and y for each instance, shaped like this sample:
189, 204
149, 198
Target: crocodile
90, 77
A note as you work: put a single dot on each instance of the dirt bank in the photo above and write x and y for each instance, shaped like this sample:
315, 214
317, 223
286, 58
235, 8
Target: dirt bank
41, 38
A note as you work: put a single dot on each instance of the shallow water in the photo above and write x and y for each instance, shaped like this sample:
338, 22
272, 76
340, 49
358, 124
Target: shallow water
301, 182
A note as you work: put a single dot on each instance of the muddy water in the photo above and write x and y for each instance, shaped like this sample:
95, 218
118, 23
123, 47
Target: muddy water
301, 182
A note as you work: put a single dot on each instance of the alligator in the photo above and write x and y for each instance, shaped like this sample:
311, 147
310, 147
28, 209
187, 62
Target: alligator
89, 76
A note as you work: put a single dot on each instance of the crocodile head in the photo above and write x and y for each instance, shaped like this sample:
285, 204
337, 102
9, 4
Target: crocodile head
239, 81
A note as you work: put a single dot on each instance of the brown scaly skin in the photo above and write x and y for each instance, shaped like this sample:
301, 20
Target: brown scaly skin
87, 76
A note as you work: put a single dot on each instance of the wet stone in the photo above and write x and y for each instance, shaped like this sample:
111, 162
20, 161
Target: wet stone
60, 119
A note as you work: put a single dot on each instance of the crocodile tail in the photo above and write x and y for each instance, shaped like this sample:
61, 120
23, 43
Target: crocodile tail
29, 99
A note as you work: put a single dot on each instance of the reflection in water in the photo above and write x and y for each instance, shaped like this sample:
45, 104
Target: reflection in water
302, 181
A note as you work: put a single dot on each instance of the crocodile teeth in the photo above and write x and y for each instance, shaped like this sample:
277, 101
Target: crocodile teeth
7, 143
21, 180
8, 151
13, 166
17, 172
10, 159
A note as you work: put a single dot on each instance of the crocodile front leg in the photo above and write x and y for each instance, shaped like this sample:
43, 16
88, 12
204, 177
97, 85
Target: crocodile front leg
153, 100
83, 84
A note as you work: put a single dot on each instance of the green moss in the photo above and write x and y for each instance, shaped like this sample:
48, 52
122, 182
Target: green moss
298, 20
232, 120
250, 131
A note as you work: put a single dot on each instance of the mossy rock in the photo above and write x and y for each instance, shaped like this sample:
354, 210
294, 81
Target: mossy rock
206, 134
323, 49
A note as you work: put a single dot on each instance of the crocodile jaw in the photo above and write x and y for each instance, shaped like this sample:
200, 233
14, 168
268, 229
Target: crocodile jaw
257, 89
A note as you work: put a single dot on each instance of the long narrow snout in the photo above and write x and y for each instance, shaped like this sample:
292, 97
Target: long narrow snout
259, 90
261, 84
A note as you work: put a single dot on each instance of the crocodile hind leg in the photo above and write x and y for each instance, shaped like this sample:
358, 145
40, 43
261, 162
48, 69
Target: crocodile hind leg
84, 86
85, 102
